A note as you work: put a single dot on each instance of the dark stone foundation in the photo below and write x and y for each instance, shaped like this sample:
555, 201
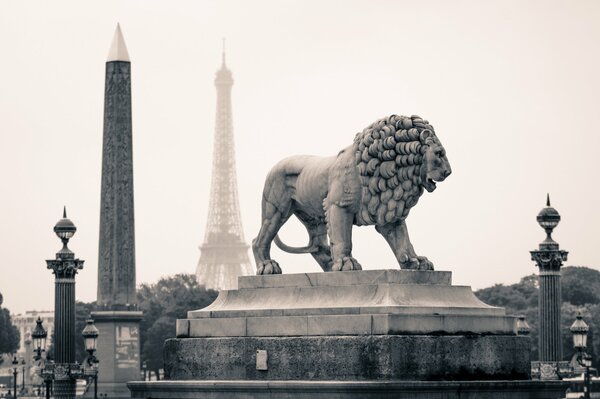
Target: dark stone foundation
348, 389
350, 358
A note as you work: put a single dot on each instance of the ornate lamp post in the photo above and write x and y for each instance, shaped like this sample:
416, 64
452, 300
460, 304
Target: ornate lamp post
549, 259
39, 335
90, 335
522, 326
27, 369
144, 369
65, 370
23, 364
580, 329
15, 364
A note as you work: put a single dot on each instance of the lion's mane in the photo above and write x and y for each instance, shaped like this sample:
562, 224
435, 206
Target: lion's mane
389, 155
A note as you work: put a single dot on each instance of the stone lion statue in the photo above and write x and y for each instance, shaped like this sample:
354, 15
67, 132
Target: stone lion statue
374, 181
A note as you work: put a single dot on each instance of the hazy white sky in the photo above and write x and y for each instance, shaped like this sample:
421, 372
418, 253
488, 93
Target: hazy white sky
512, 88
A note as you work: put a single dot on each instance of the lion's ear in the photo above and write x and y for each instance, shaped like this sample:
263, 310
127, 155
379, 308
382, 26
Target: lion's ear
426, 136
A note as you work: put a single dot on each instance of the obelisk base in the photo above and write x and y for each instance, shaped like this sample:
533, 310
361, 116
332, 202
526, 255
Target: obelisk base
118, 351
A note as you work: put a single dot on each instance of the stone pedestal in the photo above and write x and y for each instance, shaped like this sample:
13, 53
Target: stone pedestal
119, 361
372, 325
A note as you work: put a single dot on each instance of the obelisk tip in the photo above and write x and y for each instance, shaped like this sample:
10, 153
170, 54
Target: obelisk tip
118, 50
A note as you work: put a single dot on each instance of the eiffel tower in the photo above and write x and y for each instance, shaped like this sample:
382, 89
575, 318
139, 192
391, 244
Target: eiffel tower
224, 252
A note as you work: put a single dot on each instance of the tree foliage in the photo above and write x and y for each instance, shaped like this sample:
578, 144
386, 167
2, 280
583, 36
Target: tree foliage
580, 288
9, 334
162, 303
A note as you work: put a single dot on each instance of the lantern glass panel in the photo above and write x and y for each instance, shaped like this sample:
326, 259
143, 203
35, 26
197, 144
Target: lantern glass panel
37, 343
90, 343
579, 340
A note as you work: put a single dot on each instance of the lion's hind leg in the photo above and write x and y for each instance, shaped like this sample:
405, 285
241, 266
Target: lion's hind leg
261, 245
276, 210
318, 237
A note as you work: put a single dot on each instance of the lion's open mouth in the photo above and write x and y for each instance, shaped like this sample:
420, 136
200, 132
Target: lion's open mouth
429, 184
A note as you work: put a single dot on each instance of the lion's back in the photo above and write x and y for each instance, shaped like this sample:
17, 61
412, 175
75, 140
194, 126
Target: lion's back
312, 184
301, 178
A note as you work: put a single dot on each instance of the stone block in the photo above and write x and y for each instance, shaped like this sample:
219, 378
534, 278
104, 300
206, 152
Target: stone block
351, 358
276, 326
182, 328
232, 326
346, 278
321, 311
393, 324
340, 325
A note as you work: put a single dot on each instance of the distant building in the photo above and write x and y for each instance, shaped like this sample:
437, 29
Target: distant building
26, 323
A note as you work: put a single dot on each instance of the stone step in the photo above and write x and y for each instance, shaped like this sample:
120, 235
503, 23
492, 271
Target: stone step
340, 299
349, 324
377, 302
358, 277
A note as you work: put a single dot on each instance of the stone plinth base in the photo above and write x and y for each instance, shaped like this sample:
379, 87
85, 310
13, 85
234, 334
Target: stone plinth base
348, 390
349, 358
118, 351
348, 326
369, 302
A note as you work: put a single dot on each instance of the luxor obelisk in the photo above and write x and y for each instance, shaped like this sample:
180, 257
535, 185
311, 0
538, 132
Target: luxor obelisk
117, 316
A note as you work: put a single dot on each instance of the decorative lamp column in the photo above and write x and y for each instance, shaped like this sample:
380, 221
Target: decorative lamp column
23, 376
39, 335
549, 258
64, 267
28, 357
90, 336
15, 364
580, 329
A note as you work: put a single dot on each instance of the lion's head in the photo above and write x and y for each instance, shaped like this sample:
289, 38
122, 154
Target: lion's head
397, 157
435, 166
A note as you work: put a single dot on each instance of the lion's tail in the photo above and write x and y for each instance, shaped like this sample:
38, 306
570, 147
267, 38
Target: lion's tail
310, 248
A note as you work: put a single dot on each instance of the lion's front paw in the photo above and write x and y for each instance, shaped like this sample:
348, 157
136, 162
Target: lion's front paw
417, 263
345, 264
424, 263
268, 267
